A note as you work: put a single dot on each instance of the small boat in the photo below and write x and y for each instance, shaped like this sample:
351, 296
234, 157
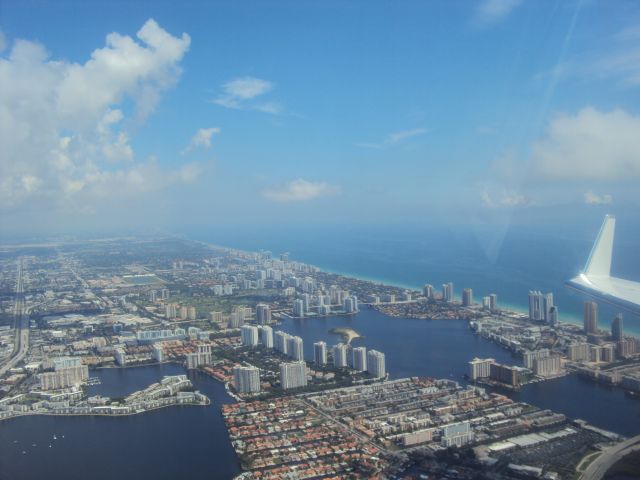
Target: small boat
49, 445
55, 438
15, 441
33, 445
23, 452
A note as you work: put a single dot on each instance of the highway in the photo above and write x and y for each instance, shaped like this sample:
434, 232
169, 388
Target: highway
598, 468
21, 324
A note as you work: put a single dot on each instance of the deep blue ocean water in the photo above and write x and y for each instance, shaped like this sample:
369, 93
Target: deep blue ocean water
508, 262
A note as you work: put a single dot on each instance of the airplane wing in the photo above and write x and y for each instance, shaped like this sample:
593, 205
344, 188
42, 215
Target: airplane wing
596, 280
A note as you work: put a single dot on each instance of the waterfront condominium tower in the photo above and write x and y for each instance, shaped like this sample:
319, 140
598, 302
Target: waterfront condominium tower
360, 359
467, 297
447, 292
616, 328
295, 348
340, 355
266, 336
536, 306
293, 375
263, 314
249, 335
376, 364
590, 317
547, 304
320, 353
493, 302
246, 379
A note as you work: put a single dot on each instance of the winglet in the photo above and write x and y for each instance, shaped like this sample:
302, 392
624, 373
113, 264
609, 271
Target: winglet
599, 263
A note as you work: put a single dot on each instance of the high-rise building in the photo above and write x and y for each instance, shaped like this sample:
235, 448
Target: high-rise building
427, 291
298, 308
467, 297
351, 304
616, 328
293, 375
359, 355
530, 356
170, 311
486, 303
63, 377
547, 305
504, 374
263, 314
590, 317
553, 316
578, 352
295, 348
536, 307
480, 368
447, 292
456, 434
184, 312
340, 355
493, 302
376, 364
266, 336
215, 317
281, 342
191, 313
306, 299
246, 379
249, 335
545, 366
120, 356
236, 320
158, 353
320, 353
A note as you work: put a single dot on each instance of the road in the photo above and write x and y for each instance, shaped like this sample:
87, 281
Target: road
21, 325
597, 469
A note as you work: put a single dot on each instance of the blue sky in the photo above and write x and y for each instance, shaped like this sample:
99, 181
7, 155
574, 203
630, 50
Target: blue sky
205, 113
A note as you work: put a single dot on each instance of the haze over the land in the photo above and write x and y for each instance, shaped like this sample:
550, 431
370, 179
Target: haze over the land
154, 114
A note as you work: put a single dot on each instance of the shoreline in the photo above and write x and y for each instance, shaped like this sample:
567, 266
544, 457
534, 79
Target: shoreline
50, 414
508, 306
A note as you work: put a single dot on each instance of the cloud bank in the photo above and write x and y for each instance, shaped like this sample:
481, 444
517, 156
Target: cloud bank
64, 142
590, 145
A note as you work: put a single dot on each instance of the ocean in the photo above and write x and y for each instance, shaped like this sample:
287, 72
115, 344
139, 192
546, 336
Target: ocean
509, 263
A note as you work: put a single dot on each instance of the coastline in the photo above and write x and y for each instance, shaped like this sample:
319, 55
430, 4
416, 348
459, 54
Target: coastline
574, 319
128, 414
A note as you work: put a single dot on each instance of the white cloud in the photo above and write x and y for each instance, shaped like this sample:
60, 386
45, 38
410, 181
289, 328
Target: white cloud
300, 190
202, 138
393, 138
61, 123
590, 145
241, 93
399, 136
3, 41
491, 12
504, 198
591, 198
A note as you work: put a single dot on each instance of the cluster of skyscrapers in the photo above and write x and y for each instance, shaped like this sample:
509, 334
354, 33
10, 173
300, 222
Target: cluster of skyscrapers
322, 302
